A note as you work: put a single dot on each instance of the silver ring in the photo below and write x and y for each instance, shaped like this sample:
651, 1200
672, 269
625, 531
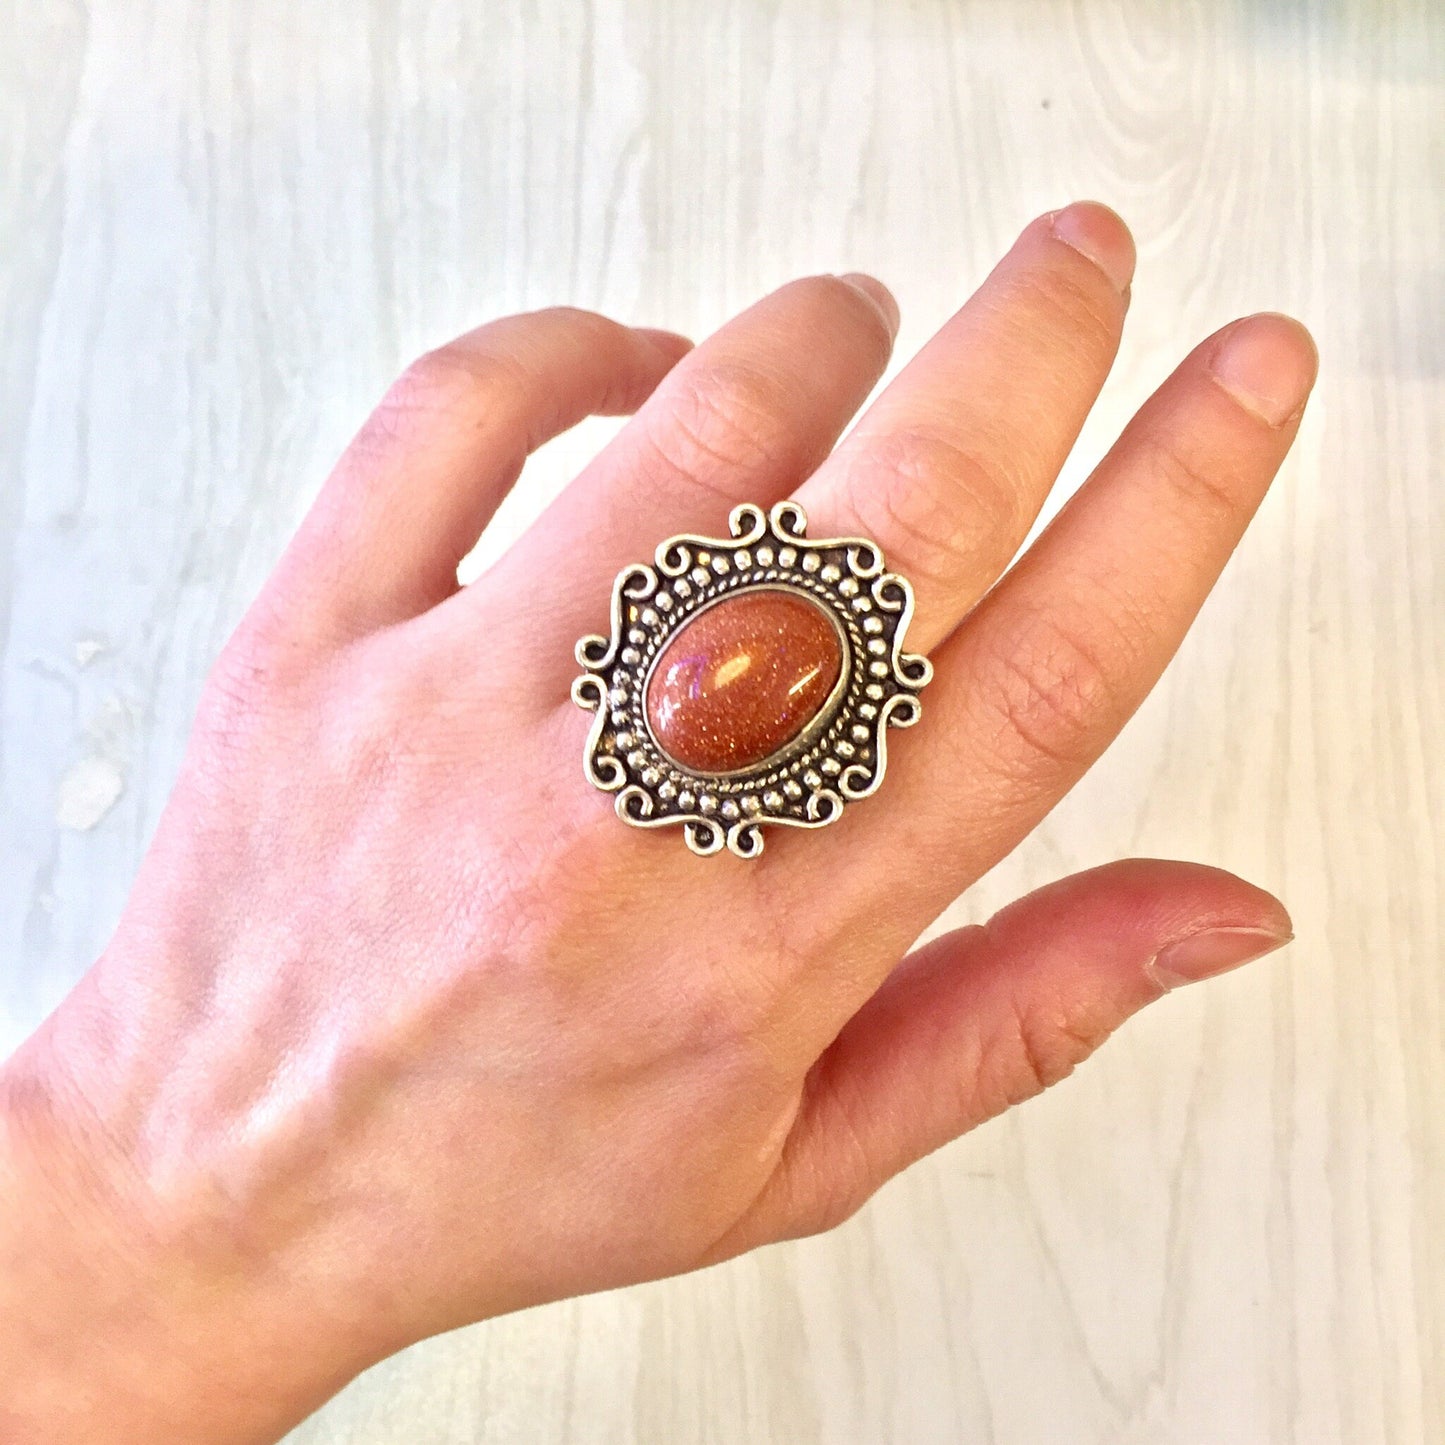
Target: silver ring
749, 680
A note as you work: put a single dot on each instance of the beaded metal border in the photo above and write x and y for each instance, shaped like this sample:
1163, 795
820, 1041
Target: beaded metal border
838, 758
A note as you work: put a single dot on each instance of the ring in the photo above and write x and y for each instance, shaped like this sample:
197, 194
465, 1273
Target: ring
749, 680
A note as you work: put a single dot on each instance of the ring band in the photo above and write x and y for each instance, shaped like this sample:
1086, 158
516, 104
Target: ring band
749, 680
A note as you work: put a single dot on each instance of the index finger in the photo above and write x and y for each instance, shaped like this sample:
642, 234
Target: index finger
948, 468
1040, 679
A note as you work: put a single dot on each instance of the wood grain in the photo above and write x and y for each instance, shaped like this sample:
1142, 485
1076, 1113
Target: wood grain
225, 223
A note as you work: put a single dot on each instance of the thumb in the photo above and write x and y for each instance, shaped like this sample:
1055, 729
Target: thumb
987, 1016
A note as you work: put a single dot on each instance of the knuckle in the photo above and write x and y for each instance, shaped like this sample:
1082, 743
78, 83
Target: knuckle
1189, 477
840, 1180
833, 297
570, 331
592, 328
1073, 307
936, 502
1038, 1047
359, 741
435, 381
1049, 689
257, 662
452, 382
724, 1004
264, 699
729, 1017
740, 998
239, 700
835, 1202
580, 321
719, 420
248, 708
567, 341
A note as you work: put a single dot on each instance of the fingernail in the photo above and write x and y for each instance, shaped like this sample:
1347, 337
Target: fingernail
878, 294
1267, 363
667, 338
674, 343
1099, 235
1215, 951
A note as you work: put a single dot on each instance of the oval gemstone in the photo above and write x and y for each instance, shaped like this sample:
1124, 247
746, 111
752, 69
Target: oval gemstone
742, 680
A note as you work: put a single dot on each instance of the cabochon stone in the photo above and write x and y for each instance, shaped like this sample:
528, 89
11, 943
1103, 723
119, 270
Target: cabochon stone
742, 679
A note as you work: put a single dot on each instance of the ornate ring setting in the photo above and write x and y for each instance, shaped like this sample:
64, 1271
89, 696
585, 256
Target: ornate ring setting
749, 680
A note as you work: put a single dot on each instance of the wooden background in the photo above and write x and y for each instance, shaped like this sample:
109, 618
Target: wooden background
225, 223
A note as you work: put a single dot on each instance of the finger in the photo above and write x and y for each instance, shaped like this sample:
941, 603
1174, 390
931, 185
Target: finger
949, 467
986, 1017
1058, 656
749, 413
412, 493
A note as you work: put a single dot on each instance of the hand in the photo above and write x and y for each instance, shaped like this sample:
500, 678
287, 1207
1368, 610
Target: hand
402, 1028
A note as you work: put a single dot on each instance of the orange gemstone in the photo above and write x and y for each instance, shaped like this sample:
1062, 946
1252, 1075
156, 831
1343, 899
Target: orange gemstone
742, 680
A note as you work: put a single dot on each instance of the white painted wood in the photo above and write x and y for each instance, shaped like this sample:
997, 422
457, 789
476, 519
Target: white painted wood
225, 223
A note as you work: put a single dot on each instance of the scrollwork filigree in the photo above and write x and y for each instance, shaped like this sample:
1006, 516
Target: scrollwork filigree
840, 757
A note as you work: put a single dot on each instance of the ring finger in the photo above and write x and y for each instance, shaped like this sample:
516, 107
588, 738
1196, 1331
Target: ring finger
747, 414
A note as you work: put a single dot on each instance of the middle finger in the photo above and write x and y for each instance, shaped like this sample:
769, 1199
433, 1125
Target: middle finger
947, 470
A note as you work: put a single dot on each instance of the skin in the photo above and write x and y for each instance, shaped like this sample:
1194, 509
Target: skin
402, 1029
